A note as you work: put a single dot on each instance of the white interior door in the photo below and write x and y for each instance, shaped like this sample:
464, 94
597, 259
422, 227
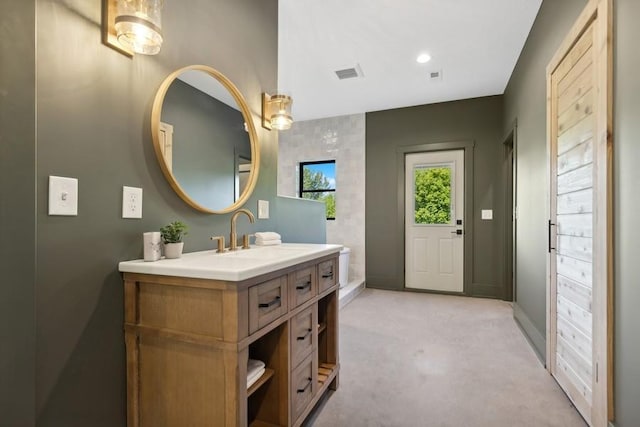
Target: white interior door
434, 210
166, 143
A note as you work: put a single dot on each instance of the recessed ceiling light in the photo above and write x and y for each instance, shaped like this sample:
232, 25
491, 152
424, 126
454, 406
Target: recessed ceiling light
423, 58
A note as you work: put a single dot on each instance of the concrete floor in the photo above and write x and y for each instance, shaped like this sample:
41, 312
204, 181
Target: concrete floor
415, 359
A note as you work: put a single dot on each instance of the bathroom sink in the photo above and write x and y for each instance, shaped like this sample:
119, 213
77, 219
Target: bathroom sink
232, 266
263, 252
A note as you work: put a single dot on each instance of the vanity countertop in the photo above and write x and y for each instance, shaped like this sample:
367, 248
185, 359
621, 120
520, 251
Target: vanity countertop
232, 266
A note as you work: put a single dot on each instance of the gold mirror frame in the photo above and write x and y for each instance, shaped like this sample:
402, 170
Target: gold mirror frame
156, 112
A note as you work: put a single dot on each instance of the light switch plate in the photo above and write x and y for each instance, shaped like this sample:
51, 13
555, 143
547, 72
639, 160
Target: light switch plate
263, 209
131, 202
63, 196
487, 213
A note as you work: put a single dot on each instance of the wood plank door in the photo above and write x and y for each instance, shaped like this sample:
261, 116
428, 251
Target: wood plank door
434, 210
579, 312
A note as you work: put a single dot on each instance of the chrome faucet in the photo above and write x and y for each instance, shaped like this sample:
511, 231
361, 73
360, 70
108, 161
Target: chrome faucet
233, 244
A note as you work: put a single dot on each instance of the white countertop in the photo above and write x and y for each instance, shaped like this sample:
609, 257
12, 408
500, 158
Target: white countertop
232, 266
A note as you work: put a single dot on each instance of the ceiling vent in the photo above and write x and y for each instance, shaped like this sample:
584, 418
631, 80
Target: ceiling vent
435, 76
349, 73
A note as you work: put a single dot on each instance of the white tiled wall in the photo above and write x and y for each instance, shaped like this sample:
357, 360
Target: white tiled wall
341, 139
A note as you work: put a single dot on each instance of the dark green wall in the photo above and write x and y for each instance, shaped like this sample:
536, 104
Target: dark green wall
207, 133
93, 124
17, 213
478, 120
626, 206
525, 101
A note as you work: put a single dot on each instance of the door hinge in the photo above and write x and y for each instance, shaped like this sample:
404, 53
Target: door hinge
549, 229
597, 371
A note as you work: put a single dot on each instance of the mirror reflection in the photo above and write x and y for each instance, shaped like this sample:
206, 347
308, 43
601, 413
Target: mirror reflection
204, 144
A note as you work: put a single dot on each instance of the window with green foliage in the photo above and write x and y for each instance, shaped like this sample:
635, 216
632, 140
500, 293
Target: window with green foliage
432, 191
318, 182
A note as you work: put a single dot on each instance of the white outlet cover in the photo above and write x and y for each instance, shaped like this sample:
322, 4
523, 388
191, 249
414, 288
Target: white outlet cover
63, 196
263, 209
487, 214
131, 202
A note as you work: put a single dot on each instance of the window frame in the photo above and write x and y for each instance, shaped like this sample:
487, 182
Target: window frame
301, 190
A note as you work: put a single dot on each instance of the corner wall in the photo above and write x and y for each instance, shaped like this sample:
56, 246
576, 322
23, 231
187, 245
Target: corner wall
525, 102
478, 120
341, 139
93, 123
626, 153
17, 213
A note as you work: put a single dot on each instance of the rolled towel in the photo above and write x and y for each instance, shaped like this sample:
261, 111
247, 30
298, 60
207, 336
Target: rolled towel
267, 235
268, 242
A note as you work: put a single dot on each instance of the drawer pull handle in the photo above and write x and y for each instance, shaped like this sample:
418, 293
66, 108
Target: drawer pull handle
274, 301
327, 276
303, 389
304, 337
305, 286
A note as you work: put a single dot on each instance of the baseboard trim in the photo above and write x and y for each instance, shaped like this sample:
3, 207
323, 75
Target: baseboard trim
486, 290
350, 292
537, 341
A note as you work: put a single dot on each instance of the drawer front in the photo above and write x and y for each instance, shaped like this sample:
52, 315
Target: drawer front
327, 275
303, 286
304, 385
304, 334
267, 302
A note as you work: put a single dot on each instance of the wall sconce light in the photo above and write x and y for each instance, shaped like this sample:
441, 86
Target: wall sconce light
276, 112
132, 26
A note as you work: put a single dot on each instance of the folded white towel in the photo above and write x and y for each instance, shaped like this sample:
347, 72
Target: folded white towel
268, 242
267, 235
255, 369
251, 380
254, 366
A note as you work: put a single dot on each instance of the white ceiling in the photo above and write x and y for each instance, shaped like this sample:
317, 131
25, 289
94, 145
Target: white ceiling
474, 43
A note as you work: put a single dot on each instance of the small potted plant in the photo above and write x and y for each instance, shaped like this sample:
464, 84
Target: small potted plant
172, 238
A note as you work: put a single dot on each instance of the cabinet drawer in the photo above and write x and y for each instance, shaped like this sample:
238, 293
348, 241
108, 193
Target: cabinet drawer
302, 287
304, 337
267, 302
304, 385
327, 275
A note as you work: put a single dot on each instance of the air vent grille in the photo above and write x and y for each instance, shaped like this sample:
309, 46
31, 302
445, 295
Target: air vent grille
350, 73
435, 76
347, 73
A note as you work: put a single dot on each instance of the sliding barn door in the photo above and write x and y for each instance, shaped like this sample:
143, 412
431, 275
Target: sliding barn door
579, 315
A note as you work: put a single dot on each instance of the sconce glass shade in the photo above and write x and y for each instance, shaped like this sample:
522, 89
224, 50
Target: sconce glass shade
138, 25
277, 112
281, 121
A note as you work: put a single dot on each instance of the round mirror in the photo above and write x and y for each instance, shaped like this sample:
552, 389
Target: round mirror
204, 139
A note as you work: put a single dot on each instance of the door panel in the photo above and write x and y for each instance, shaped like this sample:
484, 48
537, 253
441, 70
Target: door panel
421, 254
579, 329
446, 256
572, 185
434, 201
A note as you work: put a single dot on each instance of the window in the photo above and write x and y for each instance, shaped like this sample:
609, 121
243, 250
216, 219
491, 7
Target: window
318, 182
432, 195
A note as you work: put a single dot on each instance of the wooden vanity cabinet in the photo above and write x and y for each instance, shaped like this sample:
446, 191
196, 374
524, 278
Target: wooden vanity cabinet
188, 342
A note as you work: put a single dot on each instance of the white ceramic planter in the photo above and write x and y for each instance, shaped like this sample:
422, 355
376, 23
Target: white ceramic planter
173, 250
